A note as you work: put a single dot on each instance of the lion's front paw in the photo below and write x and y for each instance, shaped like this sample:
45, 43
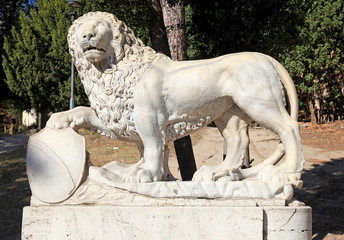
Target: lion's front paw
59, 120
272, 173
143, 174
214, 173
66, 119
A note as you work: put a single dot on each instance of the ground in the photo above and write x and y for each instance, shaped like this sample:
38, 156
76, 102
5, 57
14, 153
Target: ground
323, 176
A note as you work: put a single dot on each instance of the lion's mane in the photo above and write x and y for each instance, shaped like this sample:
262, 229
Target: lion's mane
110, 92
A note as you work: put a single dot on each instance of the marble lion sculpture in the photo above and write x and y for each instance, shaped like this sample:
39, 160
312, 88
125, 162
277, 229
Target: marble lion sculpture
144, 97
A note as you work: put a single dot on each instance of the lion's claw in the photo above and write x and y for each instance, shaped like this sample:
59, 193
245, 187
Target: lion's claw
142, 174
277, 174
213, 173
140, 177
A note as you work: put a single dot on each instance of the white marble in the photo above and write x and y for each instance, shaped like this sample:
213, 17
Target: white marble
222, 188
142, 96
292, 222
94, 193
56, 163
166, 222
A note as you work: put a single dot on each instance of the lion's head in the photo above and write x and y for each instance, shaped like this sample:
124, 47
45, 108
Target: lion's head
100, 39
95, 39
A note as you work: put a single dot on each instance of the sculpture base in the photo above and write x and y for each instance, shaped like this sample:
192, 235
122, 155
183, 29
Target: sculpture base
98, 211
112, 175
166, 222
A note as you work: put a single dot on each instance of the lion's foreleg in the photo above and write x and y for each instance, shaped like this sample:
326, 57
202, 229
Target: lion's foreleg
152, 167
79, 117
150, 132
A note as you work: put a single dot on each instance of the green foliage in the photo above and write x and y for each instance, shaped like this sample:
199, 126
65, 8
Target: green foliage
9, 11
225, 26
307, 36
38, 65
316, 62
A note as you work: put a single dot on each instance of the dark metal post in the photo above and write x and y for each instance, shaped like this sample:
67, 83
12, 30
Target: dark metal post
73, 4
185, 158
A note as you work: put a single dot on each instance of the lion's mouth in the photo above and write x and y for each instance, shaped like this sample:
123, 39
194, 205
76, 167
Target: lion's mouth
93, 49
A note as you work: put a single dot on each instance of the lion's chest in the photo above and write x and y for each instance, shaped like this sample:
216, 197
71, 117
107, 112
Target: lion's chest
115, 109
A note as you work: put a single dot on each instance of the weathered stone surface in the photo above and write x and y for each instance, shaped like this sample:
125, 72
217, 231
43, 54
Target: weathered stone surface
166, 222
220, 189
56, 163
93, 193
294, 222
98, 211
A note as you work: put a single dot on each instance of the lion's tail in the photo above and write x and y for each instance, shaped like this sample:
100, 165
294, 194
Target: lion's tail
294, 112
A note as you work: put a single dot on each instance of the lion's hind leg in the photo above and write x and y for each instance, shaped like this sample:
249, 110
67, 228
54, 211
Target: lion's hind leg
233, 128
278, 120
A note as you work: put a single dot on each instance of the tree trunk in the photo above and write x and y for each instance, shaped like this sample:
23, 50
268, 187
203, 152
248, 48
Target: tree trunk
317, 109
174, 20
157, 29
11, 129
312, 112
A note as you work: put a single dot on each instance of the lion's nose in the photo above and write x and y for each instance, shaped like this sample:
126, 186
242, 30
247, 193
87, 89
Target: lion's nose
89, 35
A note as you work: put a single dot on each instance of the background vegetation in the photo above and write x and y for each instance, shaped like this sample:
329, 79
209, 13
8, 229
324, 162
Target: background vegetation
306, 36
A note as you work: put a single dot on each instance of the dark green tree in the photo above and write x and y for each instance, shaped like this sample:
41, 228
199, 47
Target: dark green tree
316, 63
38, 64
225, 26
9, 12
306, 35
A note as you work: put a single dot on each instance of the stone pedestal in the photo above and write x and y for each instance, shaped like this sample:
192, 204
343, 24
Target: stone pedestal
97, 211
166, 222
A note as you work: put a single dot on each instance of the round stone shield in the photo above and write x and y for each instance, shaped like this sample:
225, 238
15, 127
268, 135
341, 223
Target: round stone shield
56, 163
